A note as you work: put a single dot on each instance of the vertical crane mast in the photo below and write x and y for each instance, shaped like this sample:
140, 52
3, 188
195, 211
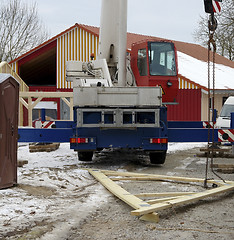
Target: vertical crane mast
108, 113
113, 38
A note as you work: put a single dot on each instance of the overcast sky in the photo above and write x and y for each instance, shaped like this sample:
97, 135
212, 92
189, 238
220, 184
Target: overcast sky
172, 19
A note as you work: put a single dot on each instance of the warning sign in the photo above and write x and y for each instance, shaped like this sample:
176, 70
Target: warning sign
163, 93
216, 6
212, 6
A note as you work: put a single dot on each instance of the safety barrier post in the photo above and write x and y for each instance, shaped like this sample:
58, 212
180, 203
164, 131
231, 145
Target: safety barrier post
232, 127
43, 115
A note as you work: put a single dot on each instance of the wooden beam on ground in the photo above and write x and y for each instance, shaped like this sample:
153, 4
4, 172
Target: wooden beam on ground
159, 200
153, 177
122, 194
147, 209
215, 150
222, 165
182, 200
118, 191
163, 194
225, 170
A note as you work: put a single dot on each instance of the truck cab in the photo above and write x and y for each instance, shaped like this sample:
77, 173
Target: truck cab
224, 119
154, 63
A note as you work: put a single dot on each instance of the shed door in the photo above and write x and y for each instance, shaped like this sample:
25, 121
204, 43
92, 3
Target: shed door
8, 132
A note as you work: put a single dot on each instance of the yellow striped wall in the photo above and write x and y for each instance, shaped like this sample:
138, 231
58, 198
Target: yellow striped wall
74, 45
185, 84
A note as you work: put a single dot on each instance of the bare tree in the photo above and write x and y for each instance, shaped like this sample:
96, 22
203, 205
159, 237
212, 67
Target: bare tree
224, 35
20, 28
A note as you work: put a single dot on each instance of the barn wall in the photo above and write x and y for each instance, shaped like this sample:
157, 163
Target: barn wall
77, 44
189, 107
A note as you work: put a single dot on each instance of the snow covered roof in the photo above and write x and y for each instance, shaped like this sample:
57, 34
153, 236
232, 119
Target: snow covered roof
5, 76
197, 71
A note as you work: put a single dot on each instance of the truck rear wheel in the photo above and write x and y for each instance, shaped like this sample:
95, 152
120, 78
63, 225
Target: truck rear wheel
85, 156
158, 157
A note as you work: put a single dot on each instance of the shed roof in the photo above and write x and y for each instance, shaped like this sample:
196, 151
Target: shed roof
5, 76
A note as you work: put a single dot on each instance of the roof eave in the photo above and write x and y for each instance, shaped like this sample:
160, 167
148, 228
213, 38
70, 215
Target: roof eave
53, 39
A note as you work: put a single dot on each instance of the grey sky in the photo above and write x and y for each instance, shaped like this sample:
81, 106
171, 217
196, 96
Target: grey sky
172, 19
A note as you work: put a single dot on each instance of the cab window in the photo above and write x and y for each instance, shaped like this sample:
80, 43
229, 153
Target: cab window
142, 62
162, 59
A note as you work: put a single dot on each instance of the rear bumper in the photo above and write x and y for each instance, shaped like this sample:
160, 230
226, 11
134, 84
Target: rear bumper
96, 138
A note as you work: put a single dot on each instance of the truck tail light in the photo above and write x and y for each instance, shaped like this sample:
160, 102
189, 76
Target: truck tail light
79, 140
158, 140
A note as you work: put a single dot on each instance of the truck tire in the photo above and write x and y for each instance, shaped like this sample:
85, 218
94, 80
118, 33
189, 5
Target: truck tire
157, 157
85, 156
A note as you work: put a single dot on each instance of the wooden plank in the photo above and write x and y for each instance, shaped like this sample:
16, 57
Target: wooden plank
143, 207
23, 102
153, 177
222, 165
182, 200
30, 112
125, 196
118, 191
66, 101
226, 170
151, 217
21, 163
44, 147
46, 94
215, 150
36, 102
71, 108
159, 200
163, 194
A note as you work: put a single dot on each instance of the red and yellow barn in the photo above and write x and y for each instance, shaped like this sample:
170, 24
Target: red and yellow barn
43, 69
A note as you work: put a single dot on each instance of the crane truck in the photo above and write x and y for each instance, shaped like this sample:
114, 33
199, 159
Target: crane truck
120, 98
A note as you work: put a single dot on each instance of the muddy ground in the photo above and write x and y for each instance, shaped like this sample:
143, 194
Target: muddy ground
65, 202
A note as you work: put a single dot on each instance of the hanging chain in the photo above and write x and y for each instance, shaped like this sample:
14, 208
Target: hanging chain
211, 145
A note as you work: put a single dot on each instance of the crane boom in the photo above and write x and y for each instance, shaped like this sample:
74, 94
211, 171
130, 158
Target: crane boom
113, 37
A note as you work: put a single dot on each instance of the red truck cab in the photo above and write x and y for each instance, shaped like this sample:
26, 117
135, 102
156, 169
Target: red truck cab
154, 63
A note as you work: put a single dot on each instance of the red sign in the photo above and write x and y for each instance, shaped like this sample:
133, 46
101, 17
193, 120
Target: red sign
216, 6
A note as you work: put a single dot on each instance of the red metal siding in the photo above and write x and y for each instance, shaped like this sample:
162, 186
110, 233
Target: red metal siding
189, 107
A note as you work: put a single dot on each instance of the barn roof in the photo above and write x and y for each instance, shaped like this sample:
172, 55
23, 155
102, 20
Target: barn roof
188, 53
191, 49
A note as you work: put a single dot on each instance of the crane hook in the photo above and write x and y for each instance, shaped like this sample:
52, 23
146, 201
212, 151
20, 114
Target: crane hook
212, 23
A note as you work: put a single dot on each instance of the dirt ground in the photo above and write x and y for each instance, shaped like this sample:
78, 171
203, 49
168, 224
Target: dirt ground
68, 203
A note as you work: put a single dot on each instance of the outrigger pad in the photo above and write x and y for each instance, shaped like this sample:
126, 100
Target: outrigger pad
161, 200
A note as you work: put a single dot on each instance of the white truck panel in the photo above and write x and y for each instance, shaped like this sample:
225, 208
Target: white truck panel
117, 96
